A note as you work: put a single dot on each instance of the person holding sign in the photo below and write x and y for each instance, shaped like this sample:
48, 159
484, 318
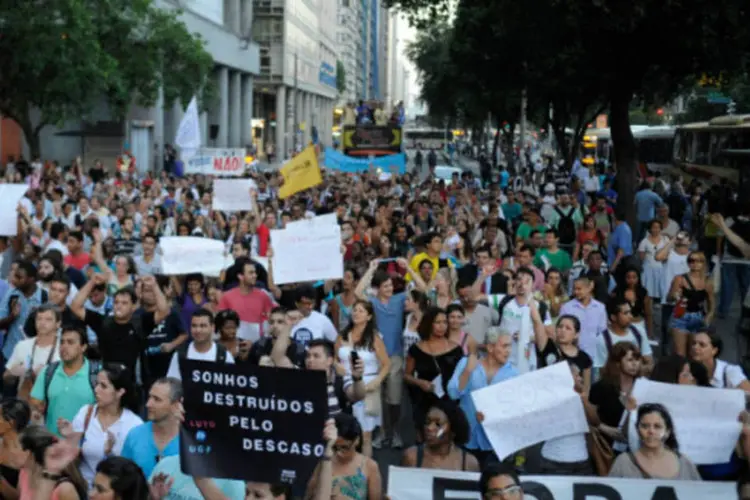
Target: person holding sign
202, 346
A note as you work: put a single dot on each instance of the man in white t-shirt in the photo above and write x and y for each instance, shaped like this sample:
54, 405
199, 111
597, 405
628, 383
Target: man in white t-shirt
313, 325
621, 330
202, 347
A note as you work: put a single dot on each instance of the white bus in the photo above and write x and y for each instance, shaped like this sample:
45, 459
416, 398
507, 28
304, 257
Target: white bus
426, 138
654, 146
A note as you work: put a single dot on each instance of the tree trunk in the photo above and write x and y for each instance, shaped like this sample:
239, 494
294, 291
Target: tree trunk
624, 152
31, 134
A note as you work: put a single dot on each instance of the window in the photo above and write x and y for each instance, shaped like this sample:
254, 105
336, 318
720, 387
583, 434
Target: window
265, 60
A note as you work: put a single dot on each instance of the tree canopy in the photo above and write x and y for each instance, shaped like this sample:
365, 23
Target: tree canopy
64, 57
590, 54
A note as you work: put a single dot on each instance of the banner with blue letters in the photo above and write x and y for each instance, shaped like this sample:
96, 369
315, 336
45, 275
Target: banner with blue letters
336, 160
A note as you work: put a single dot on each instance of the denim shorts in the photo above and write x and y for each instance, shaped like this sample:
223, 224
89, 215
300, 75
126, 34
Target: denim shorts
691, 322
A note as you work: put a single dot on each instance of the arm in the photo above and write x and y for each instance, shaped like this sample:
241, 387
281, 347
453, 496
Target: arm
409, 372
374, 481
675, 290
540, 332
409, 457
276, 291
98, 256
364, 283
77, 306
418, 281
162, 304
711, 300
385, 364
663, 253
460, 382
280, 346
743, 246
586, 376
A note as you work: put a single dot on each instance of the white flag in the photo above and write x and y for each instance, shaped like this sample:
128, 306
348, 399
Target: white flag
188, 137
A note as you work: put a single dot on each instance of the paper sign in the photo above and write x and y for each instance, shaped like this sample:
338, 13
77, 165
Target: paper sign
249, 331
300, 173
10, 196
228, 162
307, 253
192, 254
233, 195
327, 219
417, 484
705, 418
534, 407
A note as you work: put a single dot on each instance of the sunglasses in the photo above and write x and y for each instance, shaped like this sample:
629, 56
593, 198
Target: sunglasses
503, 492
342, 447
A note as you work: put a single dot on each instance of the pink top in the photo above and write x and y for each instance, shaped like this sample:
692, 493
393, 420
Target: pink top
255, 307
26, 493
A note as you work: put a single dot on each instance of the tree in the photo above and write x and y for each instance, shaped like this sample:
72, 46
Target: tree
608, 47
340, 77
65, 57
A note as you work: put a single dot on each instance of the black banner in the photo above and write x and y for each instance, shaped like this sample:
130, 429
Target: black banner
371, 139
252, 423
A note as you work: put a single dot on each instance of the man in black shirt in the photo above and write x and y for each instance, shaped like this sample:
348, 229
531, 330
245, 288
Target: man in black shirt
122, 337
295, 352
59, 288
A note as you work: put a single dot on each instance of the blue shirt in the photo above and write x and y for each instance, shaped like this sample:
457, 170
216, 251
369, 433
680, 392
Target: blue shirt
646, 202
140, 448
504, 178
389, 319
15, 330
477, 380
184, 488
621, 238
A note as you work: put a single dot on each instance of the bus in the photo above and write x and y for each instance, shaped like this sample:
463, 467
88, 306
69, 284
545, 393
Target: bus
653, 143
716, 149
426, 138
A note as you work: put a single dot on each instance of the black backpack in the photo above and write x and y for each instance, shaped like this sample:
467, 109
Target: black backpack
566, 227
608, 338
221, 352
505, 300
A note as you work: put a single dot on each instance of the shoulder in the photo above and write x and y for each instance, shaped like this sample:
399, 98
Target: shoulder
409, 457
66, 491
371, 466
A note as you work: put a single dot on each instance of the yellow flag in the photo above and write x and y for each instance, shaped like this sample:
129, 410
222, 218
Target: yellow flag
300, 173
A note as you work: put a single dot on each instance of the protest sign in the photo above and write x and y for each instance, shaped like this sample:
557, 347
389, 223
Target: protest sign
300, 173
707, 432
252, 423
534, 407
227, 162
307, 252
418, 484
192, 254
233, 195
10, 196
327, 219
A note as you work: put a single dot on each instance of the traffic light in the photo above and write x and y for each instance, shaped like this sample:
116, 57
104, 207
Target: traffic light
660, 111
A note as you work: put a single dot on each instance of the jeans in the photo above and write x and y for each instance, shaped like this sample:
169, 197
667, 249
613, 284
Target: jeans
732, 275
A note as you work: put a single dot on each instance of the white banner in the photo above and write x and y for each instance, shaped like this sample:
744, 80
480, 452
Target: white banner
233, 195
188, 137
419, 484
307, 253
531, 408
227, 162
705, 418
192, 254
327, 219
10, 196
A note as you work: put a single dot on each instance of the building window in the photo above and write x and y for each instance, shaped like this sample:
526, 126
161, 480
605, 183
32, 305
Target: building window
265, 60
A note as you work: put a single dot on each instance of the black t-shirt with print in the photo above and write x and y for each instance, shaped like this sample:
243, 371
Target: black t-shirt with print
120, 342
169, 329
551, 355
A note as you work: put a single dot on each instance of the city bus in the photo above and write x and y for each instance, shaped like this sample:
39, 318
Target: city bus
426, 138
653, 143
716, 149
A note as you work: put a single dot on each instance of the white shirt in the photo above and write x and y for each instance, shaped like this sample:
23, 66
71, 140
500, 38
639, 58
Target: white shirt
95, 438
726, 375
22, 354
314, 326
517, 319
57, 245
601, 355
210, 355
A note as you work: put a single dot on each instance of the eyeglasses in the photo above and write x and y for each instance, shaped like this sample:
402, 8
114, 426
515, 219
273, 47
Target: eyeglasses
510, 491
342, 447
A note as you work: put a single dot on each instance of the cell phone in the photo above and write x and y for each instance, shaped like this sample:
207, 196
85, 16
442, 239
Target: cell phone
355, 357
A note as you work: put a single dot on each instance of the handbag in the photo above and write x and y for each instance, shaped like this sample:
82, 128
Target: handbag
600, 451
373, 404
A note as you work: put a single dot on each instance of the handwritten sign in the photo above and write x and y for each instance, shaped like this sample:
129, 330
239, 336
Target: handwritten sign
233, 195
307, 253
252, 423
192, 254
705, 418
227, 162
10, 195
418, 484
531, 408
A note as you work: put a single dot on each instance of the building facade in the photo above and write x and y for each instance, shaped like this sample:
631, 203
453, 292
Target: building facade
225, 26
397, 74
296, 90
349, 30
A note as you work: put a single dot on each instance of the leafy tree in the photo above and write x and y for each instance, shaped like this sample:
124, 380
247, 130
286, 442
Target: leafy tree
340, 77
66, 57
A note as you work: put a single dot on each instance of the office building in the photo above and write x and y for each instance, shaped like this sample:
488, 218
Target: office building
349, 39
296, 89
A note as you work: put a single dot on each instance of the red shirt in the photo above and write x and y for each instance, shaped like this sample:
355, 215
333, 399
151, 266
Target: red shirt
264, 234
79, 261
255, 307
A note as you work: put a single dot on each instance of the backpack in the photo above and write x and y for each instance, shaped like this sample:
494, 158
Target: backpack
221, 352
94, 368
29, 327
505, 300
566, 227
608, 338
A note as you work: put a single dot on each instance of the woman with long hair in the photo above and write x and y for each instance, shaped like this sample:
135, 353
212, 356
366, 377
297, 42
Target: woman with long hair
430, 363
190, 297
609, 395
15, 415
64, 483
653, 270
443, 289
658, 456
705, 348
340, 307
103, 426
415, 305
361, 340
630, 289
693, 294
676, 369
445, 432
456, 333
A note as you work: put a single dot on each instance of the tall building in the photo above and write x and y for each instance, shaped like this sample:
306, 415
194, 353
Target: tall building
225, 26
349, 30
296, 89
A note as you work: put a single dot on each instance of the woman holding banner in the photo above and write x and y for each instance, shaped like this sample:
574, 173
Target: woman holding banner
361, 340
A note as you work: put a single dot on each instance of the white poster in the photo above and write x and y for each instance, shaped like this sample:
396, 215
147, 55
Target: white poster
307, 253
188, 137
531, 408
705, 418
192, 254
327, 219
10, 196
233, 195
226, 162
420, 484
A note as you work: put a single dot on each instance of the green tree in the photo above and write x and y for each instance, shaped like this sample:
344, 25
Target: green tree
66, 57
340, 77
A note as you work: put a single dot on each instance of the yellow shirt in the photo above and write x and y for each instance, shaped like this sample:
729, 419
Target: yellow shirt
436, 261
